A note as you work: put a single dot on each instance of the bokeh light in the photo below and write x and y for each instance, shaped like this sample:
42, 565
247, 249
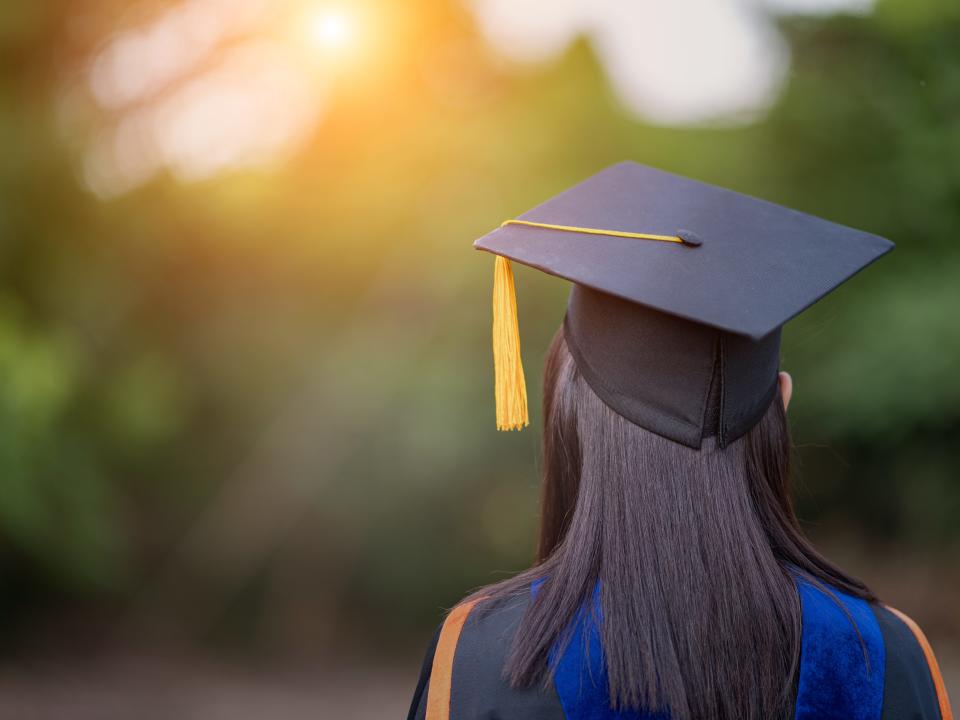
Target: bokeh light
208, 86
683, 62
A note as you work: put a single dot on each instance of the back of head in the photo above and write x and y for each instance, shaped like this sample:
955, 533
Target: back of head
693, 552
666, 465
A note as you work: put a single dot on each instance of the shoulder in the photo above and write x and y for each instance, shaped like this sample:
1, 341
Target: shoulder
913, 686
463, 671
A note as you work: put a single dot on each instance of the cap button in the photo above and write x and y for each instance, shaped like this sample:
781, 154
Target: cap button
689, 238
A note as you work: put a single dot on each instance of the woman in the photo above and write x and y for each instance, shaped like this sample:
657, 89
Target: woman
672, 577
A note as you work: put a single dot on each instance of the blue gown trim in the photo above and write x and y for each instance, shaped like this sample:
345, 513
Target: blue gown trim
835, 679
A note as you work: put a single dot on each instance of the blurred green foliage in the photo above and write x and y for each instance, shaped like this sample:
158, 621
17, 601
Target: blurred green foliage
271, 394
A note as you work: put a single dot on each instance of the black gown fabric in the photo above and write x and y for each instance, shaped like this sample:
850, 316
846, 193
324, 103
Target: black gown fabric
478, 688
479, 691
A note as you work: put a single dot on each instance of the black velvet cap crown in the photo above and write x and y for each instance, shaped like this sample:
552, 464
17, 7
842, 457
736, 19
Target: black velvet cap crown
681, 338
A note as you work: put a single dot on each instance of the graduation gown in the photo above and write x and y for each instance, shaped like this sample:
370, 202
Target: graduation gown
462, 677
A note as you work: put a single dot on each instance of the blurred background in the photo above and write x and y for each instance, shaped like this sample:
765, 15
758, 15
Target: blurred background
247, 448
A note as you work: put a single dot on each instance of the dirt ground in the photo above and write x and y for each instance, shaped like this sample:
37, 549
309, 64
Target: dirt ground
139, 688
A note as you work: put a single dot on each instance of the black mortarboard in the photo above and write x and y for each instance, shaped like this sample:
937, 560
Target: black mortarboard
680, 291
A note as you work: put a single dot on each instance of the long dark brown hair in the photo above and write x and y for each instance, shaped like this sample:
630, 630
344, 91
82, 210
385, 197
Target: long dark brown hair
693, 551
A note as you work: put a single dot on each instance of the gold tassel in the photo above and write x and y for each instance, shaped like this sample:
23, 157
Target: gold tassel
511, 388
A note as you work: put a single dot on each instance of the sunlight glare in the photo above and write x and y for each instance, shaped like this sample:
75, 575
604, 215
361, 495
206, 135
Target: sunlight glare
330, 29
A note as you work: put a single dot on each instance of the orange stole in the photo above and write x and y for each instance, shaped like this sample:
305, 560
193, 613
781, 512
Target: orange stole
441, 673
945, 712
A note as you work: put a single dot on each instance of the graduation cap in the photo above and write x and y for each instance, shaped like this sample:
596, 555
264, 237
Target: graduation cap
679, 293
